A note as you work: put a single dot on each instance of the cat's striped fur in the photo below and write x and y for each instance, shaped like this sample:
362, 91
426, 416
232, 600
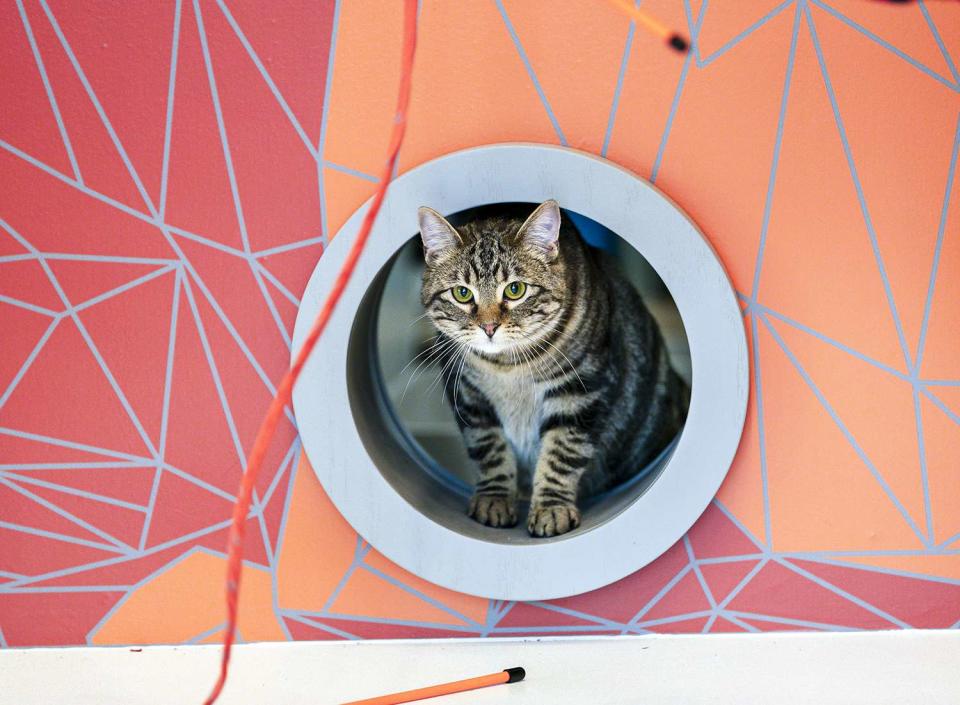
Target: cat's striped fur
566, 391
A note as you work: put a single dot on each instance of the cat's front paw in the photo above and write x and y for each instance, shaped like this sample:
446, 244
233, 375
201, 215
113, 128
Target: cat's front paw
493, 510
553, 520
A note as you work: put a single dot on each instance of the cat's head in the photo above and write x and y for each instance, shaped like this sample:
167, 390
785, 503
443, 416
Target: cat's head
495, 284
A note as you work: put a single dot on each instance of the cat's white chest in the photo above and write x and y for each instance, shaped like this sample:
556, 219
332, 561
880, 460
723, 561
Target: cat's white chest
518, 401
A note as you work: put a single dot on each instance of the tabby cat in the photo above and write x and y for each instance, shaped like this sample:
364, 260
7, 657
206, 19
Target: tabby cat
562, 385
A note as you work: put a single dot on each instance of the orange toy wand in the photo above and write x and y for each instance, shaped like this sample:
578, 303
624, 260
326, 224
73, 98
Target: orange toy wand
674, 40
511, 675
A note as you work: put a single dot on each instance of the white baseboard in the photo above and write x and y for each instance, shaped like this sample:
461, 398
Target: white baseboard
872, 668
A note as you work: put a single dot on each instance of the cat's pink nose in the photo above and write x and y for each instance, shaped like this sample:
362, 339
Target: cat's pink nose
490, 328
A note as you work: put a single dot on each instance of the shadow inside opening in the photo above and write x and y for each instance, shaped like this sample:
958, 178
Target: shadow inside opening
405, 421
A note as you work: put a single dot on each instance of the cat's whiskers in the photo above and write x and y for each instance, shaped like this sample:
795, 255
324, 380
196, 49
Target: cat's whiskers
418, 318
556, 325
519, 363
442, 361
448, 357
520, 359
536, 352
544, 353
437, 341
437, 350
453, 366
575, 413
530, 366
456, 386
524, 368
573, 368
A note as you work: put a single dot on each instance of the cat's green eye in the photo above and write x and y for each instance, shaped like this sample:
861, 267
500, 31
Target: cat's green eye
462, 294
515, 290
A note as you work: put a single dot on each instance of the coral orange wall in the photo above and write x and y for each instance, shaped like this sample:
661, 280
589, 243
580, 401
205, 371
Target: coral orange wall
158, 220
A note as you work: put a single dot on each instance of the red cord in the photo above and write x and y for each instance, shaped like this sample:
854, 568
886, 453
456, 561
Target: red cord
282, 398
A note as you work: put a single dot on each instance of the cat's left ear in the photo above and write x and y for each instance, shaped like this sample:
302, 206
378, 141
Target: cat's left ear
541, 231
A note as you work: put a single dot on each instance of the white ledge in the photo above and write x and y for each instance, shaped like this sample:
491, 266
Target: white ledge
872, 668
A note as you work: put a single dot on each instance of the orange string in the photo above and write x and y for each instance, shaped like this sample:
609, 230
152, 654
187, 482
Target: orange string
242, 505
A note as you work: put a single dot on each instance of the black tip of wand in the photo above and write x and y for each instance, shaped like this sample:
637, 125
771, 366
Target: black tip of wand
516, 674
679, 43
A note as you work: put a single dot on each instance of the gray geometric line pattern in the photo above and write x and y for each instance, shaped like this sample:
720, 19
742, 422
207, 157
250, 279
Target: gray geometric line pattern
694, 30
530, 71
882, 42
939, 40
10, 526
46, 504
734, 41
251, 52
16, 478
324, 238
28, 30
867, 219
179, 264
761, 434
842, 593
71, 311
116, 141
231, 175
615, 101
96, 103
768, 202
846, 432
938, 247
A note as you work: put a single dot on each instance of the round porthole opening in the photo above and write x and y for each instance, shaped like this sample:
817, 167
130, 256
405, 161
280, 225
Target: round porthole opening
402, 483
399, 383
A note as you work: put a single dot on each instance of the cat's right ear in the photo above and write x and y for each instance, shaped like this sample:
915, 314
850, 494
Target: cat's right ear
439, 237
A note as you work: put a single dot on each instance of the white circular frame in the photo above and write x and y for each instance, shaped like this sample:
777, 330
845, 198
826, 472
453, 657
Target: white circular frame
688, 266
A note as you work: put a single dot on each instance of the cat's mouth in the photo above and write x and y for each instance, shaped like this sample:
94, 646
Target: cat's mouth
490, 345
495, 346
